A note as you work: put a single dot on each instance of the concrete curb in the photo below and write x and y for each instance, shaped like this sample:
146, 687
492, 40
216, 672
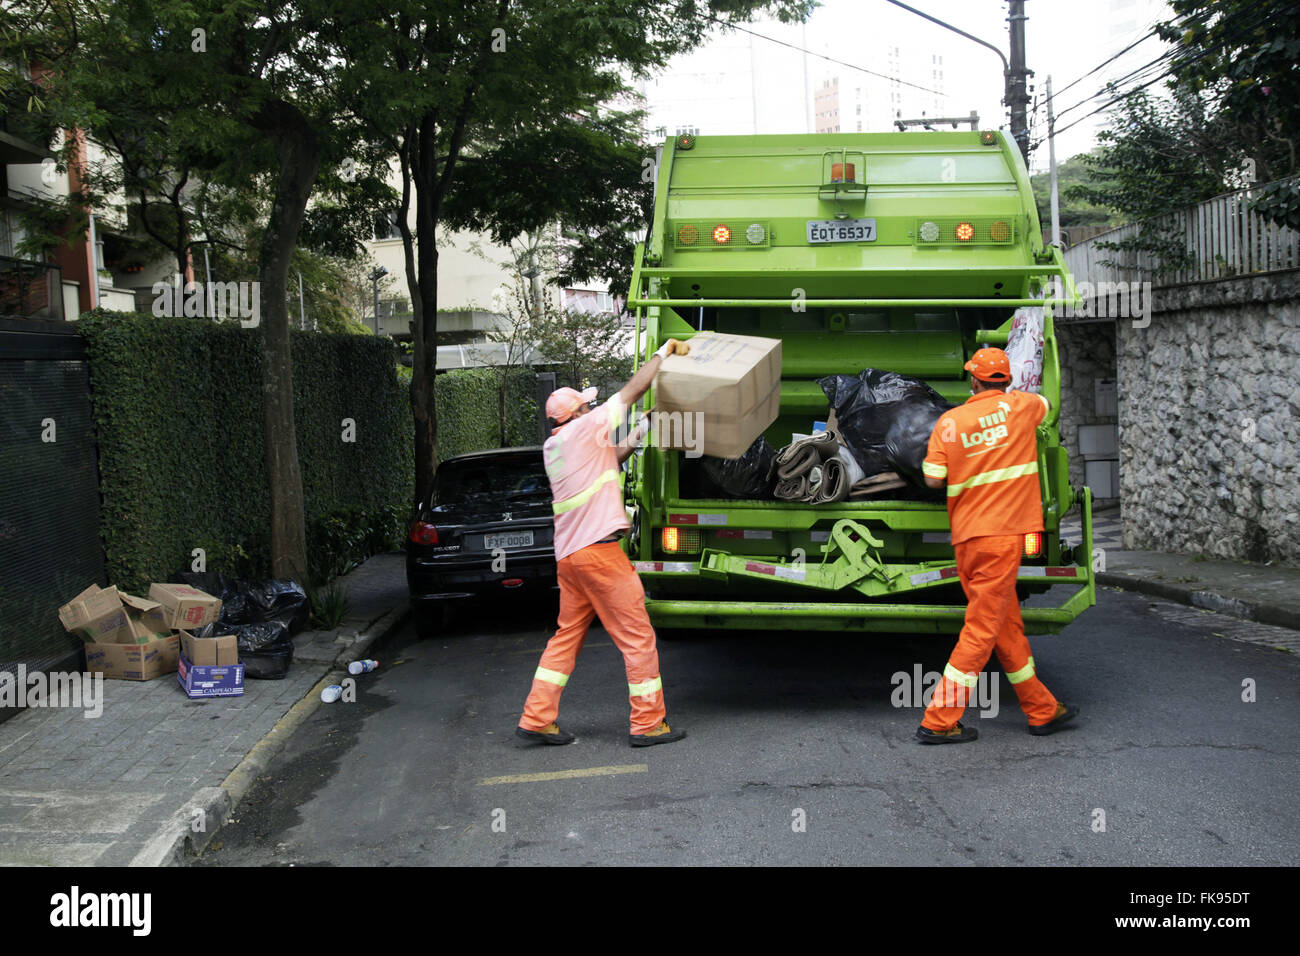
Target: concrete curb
1206, 600
177, 840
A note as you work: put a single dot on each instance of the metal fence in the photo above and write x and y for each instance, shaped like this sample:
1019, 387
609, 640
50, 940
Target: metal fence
49, 493
30, 289
1222, 237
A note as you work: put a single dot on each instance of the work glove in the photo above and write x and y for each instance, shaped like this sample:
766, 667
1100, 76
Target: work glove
672, 347
640, 430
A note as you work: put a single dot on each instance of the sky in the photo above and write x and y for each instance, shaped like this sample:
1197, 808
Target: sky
741, 83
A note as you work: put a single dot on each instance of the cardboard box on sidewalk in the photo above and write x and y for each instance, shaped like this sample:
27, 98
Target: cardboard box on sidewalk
198, 680
109, 616
186, 607
733, 382
220, 651
154, 658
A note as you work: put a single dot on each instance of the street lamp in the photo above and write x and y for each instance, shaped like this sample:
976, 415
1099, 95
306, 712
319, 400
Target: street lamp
375, 276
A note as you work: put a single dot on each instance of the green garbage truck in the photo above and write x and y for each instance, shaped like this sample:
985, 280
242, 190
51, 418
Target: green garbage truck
903, 252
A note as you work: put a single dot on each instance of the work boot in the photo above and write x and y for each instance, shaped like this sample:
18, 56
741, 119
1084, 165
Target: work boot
551, 734
663, 734
1064, 714
957, 734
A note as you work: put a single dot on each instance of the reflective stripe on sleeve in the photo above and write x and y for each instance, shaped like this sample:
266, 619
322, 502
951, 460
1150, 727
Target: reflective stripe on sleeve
991, 477
934, 471
582, 497
1022, 675
551, 677
644, 688
957, 677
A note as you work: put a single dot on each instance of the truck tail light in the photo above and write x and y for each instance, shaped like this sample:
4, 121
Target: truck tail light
721, 234
964, 232
681, 540
1033, 544
423, 533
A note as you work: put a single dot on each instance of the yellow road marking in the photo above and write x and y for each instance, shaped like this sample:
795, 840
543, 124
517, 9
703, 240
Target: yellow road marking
564, 774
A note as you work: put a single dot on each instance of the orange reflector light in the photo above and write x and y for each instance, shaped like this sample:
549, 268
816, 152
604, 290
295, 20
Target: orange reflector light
1033, 544
678, 540
838, 173
964, 232
721, 235
687, 235
999, 231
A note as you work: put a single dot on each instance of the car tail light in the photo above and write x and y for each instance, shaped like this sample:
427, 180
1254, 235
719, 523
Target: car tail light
1033, 544
678, 540
423, 533
512, 582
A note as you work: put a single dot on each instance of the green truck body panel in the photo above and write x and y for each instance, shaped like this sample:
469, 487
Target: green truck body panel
944, 244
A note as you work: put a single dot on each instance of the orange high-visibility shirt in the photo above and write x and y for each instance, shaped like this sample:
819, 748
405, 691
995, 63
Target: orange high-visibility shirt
986, 449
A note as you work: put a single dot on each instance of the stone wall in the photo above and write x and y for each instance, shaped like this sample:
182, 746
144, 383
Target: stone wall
1209, 403
1087, 354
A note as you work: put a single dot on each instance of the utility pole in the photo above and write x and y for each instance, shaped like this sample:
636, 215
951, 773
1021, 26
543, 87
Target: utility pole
1017, 97
1051, 166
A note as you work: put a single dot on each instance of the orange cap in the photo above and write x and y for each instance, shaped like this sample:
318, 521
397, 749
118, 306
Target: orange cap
990, 365
563, 402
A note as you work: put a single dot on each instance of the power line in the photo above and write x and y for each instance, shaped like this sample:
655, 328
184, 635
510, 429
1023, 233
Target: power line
830, 59
1169, 56
1176, 64
1106, 62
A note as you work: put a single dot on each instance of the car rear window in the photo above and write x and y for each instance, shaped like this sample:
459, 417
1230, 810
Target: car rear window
509, 479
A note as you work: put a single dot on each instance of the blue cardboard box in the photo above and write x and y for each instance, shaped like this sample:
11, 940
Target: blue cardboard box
198, 680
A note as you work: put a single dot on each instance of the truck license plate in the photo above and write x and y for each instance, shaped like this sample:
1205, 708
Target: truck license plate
508, 539
841, 230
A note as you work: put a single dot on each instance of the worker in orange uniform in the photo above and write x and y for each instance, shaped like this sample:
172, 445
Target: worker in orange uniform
594, 574
985, 453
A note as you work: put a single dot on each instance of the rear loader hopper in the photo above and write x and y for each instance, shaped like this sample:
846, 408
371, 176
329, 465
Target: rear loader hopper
897, 251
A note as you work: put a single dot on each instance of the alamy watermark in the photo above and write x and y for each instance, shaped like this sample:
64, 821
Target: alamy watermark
917, 690
216, 300
1112, 300
54, 689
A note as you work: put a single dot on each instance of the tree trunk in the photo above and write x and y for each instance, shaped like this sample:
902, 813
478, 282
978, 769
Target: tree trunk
299, 154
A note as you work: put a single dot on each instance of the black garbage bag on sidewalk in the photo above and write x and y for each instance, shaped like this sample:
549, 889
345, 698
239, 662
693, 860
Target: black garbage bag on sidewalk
749, 476
263, 615
885, 419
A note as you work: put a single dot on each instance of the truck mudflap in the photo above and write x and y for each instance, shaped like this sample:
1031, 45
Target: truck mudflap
851, 562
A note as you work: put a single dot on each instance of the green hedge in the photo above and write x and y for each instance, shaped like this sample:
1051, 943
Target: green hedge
469, 415
178, 417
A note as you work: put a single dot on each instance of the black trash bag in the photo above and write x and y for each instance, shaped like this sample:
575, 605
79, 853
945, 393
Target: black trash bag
749, 476
263, 615
265, 649
885, 419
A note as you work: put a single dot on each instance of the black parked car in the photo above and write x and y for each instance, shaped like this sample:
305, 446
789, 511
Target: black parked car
487, 532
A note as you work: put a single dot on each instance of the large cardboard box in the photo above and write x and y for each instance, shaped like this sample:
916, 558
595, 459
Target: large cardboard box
135, 661
186, 606
109, 616
220, 651
198, 680
731, 384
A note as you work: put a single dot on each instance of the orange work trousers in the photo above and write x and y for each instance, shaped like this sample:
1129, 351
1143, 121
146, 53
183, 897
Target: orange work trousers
987, 567
599, 580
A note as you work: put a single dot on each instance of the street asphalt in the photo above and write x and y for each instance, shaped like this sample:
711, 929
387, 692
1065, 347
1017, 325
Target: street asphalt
796, 755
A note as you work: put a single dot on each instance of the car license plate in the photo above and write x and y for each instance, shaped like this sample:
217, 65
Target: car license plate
841, 230
508, 540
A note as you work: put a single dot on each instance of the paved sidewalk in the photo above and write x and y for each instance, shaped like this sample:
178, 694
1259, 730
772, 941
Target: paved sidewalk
1266, 594
156, 771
